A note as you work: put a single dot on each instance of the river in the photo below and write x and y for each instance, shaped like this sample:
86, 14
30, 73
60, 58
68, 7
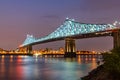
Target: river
39, 68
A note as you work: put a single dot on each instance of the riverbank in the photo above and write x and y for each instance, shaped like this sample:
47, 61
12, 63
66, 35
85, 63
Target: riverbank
16, 54
100, 73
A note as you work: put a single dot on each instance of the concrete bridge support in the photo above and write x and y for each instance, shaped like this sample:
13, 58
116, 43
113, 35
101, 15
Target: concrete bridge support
70, 48
116, 39
29, 49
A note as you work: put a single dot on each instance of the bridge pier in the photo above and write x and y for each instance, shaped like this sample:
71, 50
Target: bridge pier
70, 48
116, 39
29, 49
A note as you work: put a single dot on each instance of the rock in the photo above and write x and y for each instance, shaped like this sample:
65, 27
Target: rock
100, 74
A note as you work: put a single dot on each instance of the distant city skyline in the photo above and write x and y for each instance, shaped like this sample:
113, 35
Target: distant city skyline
41, 17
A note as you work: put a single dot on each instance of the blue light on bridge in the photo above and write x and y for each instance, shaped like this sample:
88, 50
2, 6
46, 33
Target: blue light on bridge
70, 28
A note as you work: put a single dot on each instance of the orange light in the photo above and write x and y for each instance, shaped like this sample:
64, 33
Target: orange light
20, 45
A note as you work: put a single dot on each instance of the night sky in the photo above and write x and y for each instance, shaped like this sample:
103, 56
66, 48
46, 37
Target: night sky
41, 17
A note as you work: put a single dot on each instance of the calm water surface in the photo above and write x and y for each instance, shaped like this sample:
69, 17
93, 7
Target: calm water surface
38, 68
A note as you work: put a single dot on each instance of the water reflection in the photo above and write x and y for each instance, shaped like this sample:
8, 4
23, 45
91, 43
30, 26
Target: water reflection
11, 58
39, 68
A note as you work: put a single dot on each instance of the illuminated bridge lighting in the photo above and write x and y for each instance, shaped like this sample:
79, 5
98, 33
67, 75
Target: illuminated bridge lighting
70, 28
28, 40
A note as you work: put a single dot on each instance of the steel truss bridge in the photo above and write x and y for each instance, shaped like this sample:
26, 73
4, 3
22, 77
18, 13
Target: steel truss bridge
71, 30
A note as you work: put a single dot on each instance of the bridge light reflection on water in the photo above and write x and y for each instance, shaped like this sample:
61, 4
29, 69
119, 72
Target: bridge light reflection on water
41, 68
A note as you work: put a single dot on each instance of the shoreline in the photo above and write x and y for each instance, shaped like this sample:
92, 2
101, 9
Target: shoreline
100, 73
16, 54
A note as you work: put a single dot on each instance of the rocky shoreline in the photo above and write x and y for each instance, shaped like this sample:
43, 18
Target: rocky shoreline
101, 74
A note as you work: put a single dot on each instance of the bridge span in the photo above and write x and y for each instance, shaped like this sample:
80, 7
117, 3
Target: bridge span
71, 30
